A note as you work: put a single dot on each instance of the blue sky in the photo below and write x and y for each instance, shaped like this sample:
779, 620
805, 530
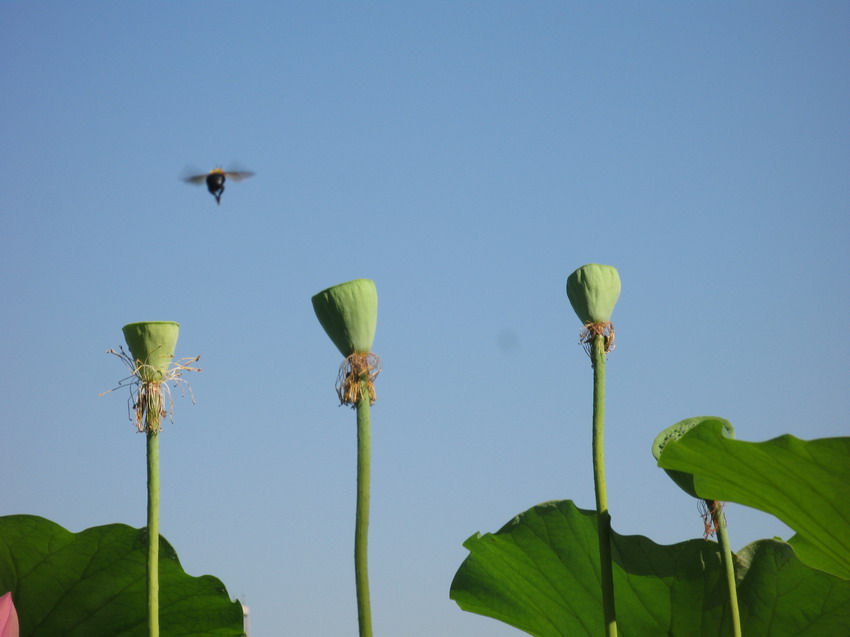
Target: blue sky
467, 157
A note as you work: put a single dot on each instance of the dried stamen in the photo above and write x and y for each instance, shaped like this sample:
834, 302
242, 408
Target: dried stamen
356, 378
710, 510
592, 330
148, 398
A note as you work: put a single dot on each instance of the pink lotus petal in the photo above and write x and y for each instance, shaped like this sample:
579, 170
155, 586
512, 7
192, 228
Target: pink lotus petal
8, 617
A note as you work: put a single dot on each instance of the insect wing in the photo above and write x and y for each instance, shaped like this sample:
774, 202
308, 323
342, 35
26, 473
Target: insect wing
196, 179
239, 175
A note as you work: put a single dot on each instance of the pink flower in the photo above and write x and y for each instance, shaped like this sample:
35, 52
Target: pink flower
8, 617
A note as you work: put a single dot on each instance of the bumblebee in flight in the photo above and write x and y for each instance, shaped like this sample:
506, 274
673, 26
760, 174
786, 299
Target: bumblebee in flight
215, 180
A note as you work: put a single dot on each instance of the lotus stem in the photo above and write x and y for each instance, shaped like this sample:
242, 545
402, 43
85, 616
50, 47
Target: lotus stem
593, 291
361, 521
598, 347
153, 531
719, 520
348, 313
152, 346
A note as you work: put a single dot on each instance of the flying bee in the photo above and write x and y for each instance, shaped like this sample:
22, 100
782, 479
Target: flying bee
215, 180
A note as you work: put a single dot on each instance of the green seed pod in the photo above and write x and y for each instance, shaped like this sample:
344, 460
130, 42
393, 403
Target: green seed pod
348, 313
685, 481
593, 291
152, 346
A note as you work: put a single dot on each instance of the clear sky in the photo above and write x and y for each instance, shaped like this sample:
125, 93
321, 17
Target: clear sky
467, 156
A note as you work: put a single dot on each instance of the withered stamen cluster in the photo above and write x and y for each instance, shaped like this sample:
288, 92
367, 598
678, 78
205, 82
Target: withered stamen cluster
356, 378
592, 330
710, 510
148, 398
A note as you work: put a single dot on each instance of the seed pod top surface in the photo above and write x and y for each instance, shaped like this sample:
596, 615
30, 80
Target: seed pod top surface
348, 313
593, 291
152, 346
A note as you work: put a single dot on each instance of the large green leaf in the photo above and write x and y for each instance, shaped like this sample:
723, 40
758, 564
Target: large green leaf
806, 484
779, 595
92, 584
540, 573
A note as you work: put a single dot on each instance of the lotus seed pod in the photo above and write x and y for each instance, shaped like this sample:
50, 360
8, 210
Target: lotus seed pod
348, 313
152, 346
593, 291
685, 481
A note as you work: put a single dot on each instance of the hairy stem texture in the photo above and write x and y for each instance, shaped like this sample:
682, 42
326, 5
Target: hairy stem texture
728, 566
361, 522
153, 533
604, 518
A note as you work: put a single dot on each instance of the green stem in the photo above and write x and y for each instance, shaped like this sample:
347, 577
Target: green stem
604, 518
361, 522
728, 565
153, 533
